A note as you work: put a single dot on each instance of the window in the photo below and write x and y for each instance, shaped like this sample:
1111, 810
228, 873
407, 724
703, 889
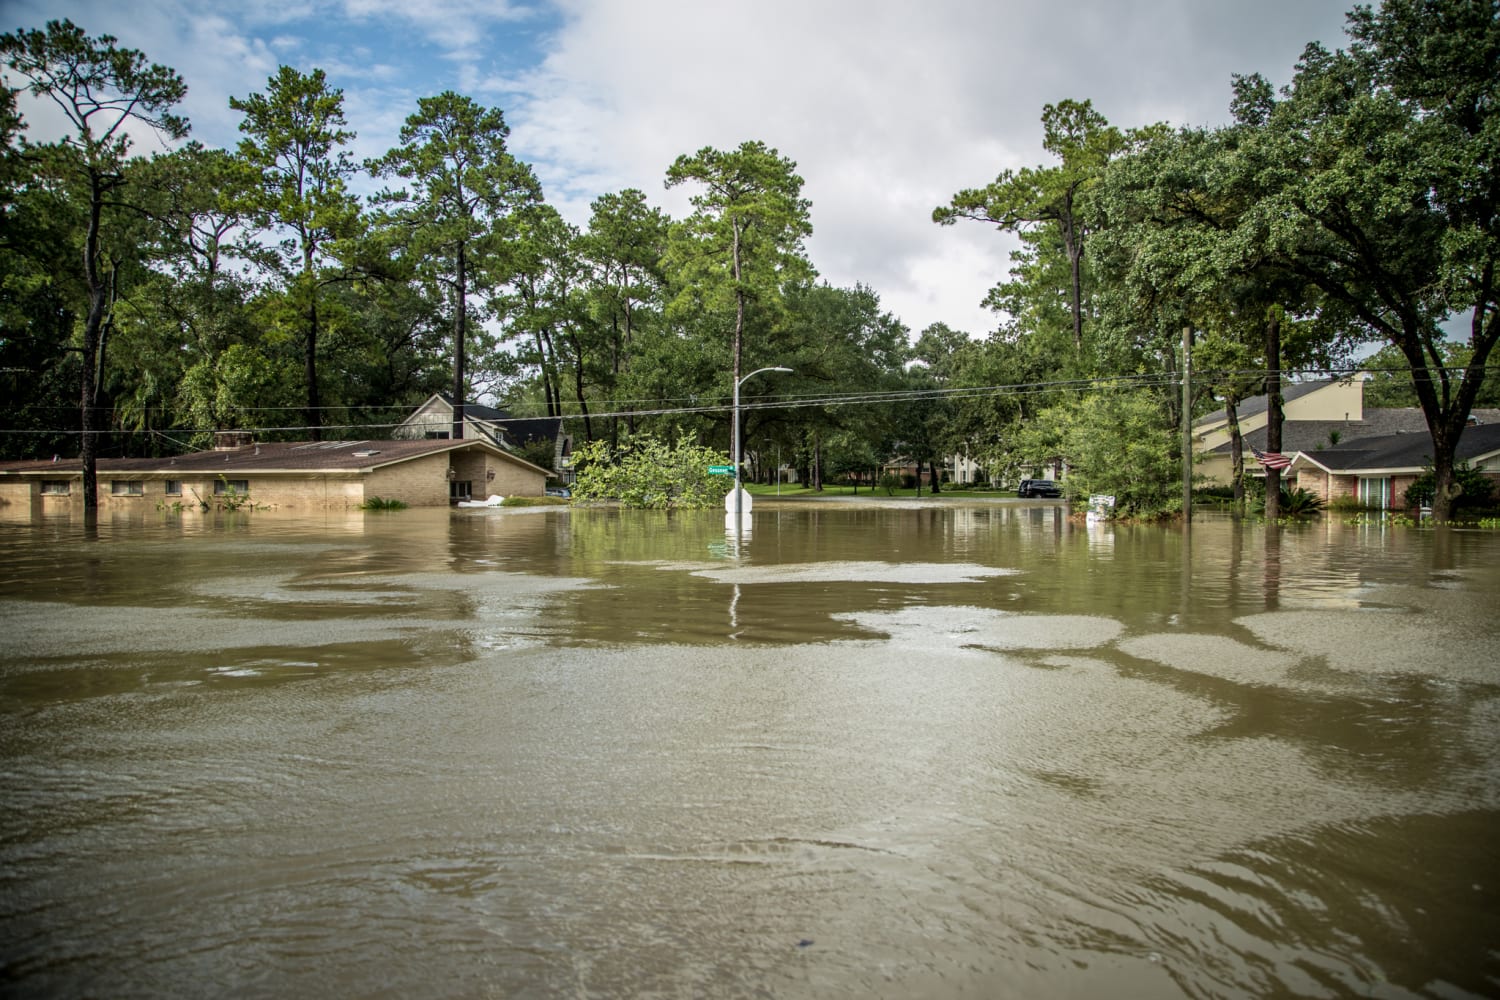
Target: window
1375, 493
126, 487
173, 488
459, 489
55, 487
438, 435
240, 487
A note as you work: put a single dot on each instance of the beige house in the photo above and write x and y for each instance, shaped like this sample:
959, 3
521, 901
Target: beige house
1310, 410
433, 420
282, 475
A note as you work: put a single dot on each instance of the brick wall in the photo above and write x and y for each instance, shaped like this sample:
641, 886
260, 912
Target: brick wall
422, 482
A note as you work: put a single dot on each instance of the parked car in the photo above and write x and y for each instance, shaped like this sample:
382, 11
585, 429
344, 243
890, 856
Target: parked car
559, 491
1039, 488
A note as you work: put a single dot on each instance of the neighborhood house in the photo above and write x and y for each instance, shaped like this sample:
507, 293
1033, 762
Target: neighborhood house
286, 475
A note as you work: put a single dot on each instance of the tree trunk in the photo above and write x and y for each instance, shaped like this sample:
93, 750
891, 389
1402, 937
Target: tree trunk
88, 447
1447, 411
460, 329
1073, 246
313, 415
1236, 453
1273, 412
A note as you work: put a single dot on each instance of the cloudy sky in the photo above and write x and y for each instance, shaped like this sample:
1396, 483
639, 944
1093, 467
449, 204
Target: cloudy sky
888, 107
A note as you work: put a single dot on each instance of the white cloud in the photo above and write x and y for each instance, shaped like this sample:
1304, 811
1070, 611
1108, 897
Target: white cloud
887, 106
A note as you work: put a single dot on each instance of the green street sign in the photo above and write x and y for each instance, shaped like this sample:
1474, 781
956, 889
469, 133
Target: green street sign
721, 470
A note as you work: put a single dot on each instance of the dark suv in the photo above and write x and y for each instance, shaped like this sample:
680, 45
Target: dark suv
1039, 488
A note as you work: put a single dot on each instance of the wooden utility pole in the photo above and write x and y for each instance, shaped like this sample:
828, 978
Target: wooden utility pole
1187, 426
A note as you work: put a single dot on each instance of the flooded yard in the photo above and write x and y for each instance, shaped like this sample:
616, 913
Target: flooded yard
877, 748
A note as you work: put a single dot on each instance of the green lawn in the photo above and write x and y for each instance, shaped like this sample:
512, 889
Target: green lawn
798, 490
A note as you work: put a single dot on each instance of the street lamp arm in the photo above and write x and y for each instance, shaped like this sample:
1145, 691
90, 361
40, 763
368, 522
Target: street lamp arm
735, 432
758, 371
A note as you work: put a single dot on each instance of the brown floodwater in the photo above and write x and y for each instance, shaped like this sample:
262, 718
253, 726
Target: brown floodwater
885, 748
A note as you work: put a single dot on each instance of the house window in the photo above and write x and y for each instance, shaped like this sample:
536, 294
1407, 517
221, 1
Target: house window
459, 489
172, 487
438, 435
55, 487
239, 487
126, 487
1375, 493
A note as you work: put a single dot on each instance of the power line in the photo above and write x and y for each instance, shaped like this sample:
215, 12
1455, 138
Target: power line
1139, 381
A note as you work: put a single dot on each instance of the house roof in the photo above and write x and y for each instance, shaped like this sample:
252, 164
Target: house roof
1391, 453
273, 457
517, 429
1313, 435
1257, 404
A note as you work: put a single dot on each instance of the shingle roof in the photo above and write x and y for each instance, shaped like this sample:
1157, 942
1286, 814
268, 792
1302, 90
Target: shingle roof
1257, 404
517, 429
274, 456
1402, 452
1312, 435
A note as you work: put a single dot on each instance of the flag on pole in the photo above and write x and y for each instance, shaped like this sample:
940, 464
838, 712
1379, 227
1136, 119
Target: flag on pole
1271, 460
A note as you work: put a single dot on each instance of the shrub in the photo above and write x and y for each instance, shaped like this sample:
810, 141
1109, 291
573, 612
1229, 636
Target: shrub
1478, 489
382, 503
1295, 502
648, 472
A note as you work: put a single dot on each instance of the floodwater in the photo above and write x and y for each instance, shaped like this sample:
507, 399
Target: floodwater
873, 749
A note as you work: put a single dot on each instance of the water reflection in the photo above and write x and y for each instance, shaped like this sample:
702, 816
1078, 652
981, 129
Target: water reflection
877, 750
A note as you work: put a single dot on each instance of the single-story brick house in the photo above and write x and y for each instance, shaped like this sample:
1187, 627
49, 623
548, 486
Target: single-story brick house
286, 475
1377, 470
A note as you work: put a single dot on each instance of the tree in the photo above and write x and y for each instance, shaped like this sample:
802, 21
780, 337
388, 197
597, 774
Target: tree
464, 187
1381, 190
743, 244
102, 91
191, 311
623, 248
292, 135
1049, 197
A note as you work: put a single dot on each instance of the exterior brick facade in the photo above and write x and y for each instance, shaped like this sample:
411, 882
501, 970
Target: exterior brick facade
419, 474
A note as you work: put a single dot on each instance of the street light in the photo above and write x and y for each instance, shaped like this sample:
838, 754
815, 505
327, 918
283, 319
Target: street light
737, 497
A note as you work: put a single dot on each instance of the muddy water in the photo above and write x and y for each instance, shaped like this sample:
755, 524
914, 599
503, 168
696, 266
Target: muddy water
873, 749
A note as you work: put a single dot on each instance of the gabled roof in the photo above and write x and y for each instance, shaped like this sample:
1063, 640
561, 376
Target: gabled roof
1387, 454
518, 429
1314, 435
1257, 404
274, 457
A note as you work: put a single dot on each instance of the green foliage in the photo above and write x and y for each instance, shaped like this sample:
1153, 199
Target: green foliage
230, 498
1115, 442
1478, 488
383, 503
1296, 503
649, 473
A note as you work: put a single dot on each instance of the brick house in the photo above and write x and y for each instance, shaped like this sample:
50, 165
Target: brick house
1377, 470
304, 475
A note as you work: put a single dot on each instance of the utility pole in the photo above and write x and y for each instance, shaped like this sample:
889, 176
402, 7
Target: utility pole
1187, 425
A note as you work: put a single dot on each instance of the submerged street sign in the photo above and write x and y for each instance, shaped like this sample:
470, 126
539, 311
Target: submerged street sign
721, 470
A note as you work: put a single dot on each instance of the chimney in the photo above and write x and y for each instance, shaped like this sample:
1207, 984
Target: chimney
232, 440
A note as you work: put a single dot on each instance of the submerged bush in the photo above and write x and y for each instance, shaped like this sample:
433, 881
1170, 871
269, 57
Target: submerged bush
381, 503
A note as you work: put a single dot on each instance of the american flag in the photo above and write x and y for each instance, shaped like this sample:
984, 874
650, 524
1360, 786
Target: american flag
1271, 460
